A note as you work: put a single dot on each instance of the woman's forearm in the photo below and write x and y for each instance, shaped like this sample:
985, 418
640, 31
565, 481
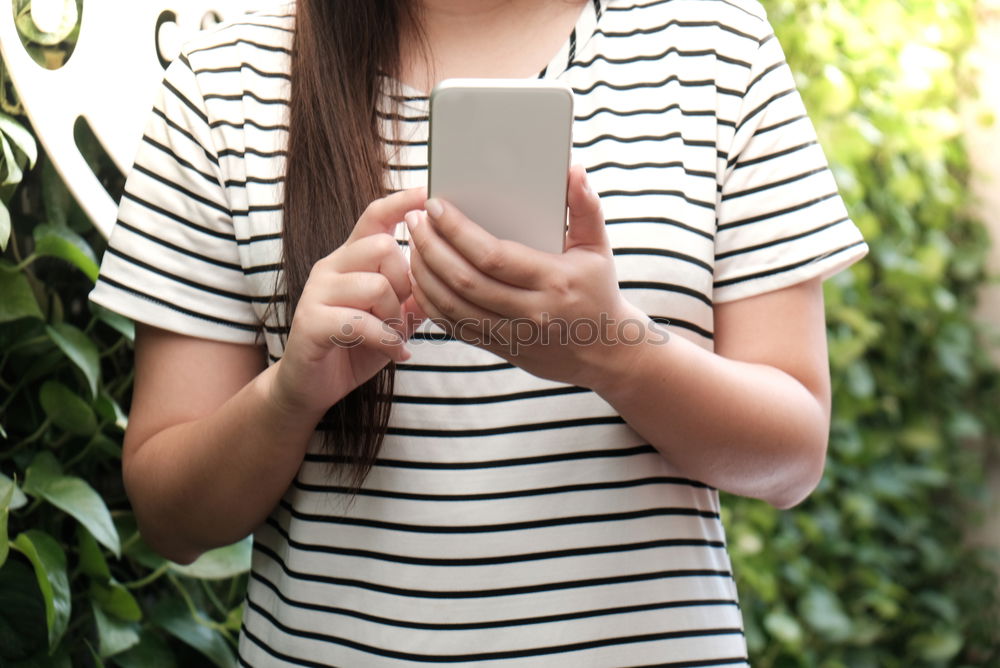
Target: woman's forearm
748, 429
209, 482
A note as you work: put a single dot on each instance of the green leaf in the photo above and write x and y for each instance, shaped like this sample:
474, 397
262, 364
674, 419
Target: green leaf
823, 612
22, 612
113, 636
783, 626
220, 563
16, 298
119, 323
108, 409
18, 499
5, 498
12, 170
21, 137
49, 562
151, 651
73, 496
174, 617
115, 600
92, 561
937, 646
55, 197
65, 244
4, 226
66, 410
80, 349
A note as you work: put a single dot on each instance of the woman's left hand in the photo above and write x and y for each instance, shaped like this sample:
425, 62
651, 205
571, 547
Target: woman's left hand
560, 317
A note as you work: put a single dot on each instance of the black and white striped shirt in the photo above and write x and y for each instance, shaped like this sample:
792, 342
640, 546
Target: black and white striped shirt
508, 520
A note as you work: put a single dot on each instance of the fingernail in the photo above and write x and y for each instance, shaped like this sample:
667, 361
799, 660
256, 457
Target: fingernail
586, 183
412, 219
404, 354
434, 207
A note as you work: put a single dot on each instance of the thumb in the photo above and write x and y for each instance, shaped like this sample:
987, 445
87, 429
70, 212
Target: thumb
586, 220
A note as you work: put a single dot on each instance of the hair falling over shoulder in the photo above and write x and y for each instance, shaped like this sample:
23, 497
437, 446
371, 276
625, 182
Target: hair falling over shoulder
335, 166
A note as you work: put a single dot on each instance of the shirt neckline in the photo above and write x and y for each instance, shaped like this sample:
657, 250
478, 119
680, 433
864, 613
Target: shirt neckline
583, 30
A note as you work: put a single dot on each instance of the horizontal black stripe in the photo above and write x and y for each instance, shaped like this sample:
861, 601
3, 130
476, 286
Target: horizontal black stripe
663, 252
765, 105
183, 98
781, 240
700, 663
652, 191
177, 249
506, 429
273, 236
499, 527
238, 69
767, 70
656, 3
706, 143
666, 287
482, 656
252, 151
169, 152
496, 463
787, 267
232, 183
655, 165
680, 24
455, 368
780, 124
673, 50
739, 162
117, 252
180, 309
221, 208
773, 184
673, 78
683, 324
248, 121
187, 133
494, 560
488, 399
493, 496
247, 93
173, 216
774, 214
247, 42
486, 593
500, 623
662, 221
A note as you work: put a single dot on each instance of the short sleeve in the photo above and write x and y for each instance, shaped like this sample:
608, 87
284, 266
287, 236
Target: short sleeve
781, 220
172, 259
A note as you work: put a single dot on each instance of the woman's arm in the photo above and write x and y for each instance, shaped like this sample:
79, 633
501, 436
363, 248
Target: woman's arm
214, 439
752, 418
207, 452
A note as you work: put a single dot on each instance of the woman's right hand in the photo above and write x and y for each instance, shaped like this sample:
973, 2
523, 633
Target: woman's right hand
354, 315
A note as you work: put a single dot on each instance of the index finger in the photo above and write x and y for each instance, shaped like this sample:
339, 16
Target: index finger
382, 215
504, 260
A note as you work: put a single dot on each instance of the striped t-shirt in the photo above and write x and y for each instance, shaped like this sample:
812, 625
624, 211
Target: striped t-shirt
508, 520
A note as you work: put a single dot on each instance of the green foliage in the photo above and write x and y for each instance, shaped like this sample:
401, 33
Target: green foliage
78, 586
874, 569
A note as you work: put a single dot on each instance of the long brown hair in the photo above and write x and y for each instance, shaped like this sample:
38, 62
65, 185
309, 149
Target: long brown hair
335, 166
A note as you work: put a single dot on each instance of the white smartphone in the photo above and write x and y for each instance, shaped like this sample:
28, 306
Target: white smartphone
499, 150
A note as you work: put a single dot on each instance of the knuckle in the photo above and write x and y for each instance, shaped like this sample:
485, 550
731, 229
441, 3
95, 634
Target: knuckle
492, 259
385, 244
463, 281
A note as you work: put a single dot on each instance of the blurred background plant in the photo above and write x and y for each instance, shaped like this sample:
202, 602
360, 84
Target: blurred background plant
873, 570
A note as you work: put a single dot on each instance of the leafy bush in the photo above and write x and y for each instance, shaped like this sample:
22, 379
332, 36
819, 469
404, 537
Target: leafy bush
871, 571
77, 585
